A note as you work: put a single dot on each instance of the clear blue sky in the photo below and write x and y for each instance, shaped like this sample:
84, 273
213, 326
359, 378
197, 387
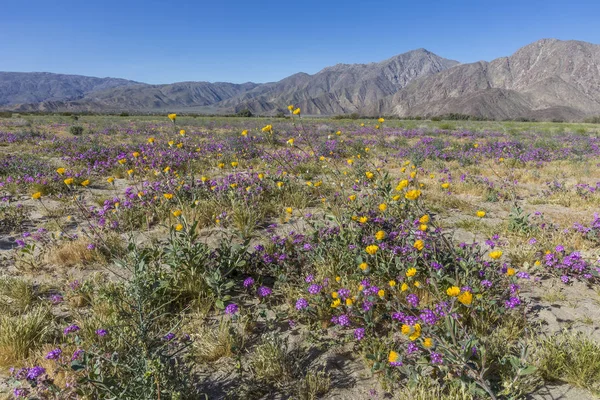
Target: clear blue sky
238, 41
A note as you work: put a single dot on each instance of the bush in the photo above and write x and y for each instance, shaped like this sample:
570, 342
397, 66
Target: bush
76, 130
245, 113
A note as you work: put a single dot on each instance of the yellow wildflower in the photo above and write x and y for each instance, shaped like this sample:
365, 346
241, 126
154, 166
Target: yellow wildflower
382, 207
380, 235
419, 245
411, 272
453, 291
494, 255
480, 213
413, 194
372, 249
36, 195
60, 171
465, 298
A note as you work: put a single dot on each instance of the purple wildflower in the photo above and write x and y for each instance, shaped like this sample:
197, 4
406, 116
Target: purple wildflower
54, 354
359, 333
231, 309
264, 291
70, 329
248, 282
301, 304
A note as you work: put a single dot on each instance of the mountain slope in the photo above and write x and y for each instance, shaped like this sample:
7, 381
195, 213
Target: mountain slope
343, 88
36, 87
548, 77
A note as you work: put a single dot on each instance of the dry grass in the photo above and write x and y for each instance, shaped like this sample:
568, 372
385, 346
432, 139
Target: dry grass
75, 253
22, 334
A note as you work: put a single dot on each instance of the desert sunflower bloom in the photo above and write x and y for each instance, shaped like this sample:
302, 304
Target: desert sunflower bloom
36, 195
172, 117
372, 249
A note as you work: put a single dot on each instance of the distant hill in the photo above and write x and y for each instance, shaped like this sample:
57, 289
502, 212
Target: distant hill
548, 79
37, 87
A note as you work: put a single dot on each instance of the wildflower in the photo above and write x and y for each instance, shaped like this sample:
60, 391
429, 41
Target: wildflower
177, 213
172, 117
480, 213
296, 111
248, 282
401, 185
413, 300
363, 266
182, 132
336, 303
85, 183
453, 291
423, 227
68, 181
393, 357
54, 354
338, 279
411, 272
70, 329
381, 293
280, 184
413, 194
510, 271
290, 141
419, 245
288, 210
363, 219
359, 333
135, 154
234, 164
264, 291
232, 309
151, 140
130, 172
383, 207
35, 372
352, 197
178, 227
404, 287
101, 332
168, 196
427, 343
494, 255
465, 298
445, 185
436, 358
267, 129
301, 304
338, 133
369, 175
424, 219
36, 195
61, 171
314, 289
350, 161
380, 235
372, 249
349, 302
244, 133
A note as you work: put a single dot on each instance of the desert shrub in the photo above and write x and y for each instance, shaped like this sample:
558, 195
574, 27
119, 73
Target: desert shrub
76, 130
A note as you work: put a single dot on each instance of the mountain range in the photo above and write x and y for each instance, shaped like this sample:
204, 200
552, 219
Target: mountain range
548, 79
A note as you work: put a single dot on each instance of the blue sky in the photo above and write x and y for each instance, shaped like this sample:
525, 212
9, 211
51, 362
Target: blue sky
239, 41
